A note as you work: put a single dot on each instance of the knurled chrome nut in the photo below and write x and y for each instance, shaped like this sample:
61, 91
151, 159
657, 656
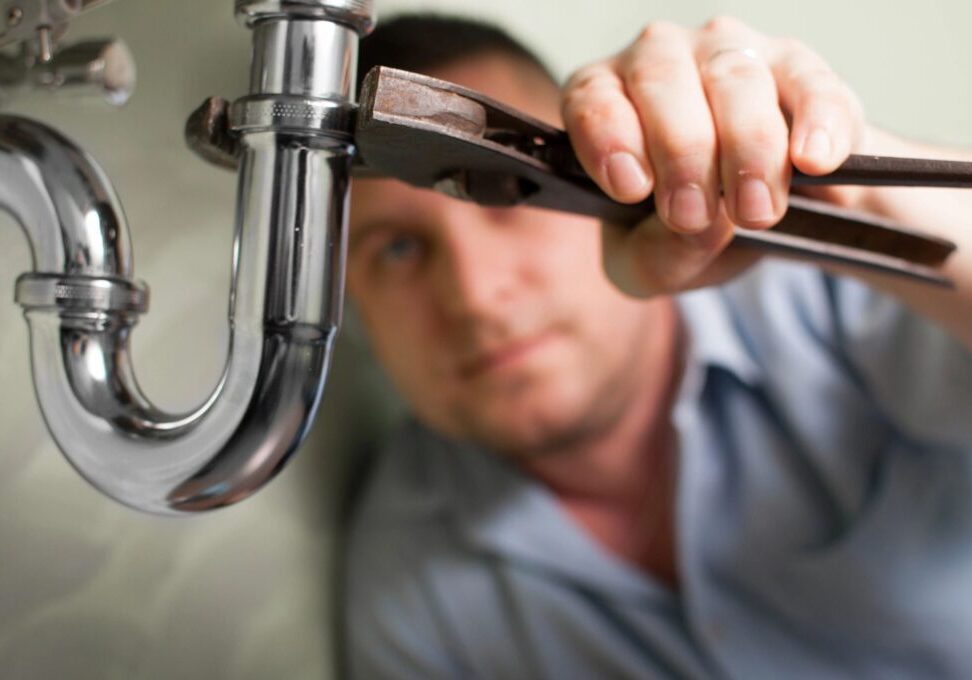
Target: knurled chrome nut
358, 14
281, 113
75, 293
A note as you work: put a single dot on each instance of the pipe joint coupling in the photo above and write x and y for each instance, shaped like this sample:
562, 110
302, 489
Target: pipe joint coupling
294, 115
75, 294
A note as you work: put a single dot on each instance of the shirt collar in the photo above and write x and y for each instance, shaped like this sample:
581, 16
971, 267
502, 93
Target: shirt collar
715, 335
499, 510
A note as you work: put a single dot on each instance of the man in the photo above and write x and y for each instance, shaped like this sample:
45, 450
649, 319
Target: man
769, 478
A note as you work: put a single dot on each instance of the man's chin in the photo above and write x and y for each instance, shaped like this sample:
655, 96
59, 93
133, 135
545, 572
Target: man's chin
526, 433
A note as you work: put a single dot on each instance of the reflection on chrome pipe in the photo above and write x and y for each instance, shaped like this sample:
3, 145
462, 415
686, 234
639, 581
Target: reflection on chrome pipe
285, 303
282, 50
63, 201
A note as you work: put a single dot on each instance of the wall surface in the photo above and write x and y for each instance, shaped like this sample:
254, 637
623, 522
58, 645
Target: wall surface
89, 589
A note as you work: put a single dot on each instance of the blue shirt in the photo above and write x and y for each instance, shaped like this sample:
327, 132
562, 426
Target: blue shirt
823, 517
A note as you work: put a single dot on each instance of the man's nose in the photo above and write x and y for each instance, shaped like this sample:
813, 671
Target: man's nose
476, 268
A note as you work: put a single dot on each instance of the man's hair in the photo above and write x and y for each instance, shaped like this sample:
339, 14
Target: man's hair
421, 42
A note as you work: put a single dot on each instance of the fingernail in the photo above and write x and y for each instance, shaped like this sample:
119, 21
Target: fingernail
688, 209
817, 145
754, 203
626, 176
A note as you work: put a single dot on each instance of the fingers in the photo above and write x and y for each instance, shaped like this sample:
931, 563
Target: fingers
606, 133
752, 131
712, 121
827, 118
662, 82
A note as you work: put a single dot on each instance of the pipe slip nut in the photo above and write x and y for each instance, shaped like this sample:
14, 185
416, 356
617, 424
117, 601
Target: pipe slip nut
296, 115
81, 294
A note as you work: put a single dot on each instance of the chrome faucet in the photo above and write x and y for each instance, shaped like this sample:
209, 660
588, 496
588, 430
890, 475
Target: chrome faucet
81, 301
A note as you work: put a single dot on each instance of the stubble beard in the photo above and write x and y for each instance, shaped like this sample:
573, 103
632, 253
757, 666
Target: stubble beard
537, 432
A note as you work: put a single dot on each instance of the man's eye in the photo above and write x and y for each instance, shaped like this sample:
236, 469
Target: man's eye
402, 248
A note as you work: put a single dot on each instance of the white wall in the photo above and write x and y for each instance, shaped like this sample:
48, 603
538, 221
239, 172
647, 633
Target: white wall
92, 590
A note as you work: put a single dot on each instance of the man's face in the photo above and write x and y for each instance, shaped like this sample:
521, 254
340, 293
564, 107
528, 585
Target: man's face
496, 324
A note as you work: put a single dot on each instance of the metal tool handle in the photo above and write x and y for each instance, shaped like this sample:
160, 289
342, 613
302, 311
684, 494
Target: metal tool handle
892, 171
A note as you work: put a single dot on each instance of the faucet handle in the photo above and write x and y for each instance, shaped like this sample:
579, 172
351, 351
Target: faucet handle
93, 69
90, 70
103, 68
39, 22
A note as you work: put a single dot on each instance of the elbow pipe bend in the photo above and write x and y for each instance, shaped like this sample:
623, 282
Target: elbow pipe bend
81, 305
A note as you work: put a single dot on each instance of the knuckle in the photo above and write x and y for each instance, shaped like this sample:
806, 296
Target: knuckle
583, 78
584, 110
658, 30
825, 88
576, 99
652, 260
652, 267
661, 280
672, 274
647, 73
793, 46
622, 260
831, 96
815, 79
686, 154
759, 138
594, 132
732, 66
723, 24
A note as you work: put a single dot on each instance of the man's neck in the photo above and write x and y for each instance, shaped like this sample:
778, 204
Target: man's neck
610, 464
619, 484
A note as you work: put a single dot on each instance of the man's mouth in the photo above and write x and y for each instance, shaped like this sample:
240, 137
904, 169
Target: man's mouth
506, 356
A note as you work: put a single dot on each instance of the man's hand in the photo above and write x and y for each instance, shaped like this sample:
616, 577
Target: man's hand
711, 121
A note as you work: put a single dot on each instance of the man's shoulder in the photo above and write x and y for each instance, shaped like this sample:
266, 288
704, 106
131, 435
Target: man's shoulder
402, 484
780, 307
401, 550
776, 294
779, 295
397, 519
803, 333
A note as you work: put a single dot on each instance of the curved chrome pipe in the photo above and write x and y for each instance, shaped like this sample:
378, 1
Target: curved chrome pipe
285, 301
